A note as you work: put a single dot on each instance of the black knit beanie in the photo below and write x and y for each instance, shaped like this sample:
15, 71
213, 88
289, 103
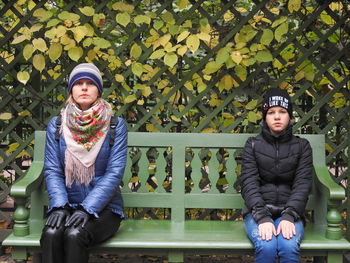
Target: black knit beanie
276, 97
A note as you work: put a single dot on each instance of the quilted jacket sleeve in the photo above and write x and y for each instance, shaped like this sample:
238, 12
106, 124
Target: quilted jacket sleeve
296, 204
53, 169
250, 185
109, 183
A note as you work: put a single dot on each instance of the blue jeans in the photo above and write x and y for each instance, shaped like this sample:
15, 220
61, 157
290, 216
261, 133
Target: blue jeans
287, 251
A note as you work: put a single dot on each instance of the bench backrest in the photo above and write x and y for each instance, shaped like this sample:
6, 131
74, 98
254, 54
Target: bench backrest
168, 155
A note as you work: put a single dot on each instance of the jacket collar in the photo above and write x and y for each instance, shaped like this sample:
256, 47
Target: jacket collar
284, 136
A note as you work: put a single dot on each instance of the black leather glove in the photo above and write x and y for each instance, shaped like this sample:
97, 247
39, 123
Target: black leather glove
57, 217
79, 217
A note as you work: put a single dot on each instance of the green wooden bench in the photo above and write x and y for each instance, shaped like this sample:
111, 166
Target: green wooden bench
177, 237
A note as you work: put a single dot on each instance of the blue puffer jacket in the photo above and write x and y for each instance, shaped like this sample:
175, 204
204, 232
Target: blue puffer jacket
103, 191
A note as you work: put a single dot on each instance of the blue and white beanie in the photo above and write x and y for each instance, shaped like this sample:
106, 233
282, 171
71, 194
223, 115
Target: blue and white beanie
85, 71
277, 97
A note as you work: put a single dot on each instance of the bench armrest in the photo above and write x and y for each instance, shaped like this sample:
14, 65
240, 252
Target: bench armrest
30, 181
21, 191
334, 194
326, 184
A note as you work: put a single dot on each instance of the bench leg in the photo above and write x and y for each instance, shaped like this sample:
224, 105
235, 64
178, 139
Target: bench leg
37, 258
175, 256
335, 257
19, 254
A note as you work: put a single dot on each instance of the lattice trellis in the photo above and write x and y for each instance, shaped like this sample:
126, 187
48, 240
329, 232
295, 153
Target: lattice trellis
311, 60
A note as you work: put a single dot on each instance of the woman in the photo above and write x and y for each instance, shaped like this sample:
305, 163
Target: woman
83, 171
276, 179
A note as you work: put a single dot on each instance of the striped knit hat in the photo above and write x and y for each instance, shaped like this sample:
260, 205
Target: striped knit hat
85, 71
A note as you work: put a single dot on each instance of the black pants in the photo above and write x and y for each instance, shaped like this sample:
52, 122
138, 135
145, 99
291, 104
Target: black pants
70, 245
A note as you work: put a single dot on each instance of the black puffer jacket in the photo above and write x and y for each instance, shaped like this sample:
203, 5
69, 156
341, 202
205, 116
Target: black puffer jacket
276, 176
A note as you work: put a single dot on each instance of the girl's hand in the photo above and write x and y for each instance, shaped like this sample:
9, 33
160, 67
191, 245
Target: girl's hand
287, 228
266, 230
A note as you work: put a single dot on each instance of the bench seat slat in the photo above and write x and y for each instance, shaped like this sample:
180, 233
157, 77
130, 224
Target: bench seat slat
198, 234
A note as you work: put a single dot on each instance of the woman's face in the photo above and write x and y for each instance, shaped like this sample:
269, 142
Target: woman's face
277, 119
85, 93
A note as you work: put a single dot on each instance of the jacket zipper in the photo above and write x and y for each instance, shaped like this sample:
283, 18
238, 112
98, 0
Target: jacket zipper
277, 167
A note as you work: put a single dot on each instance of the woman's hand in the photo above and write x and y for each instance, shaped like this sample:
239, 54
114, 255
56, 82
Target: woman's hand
57, 218
266, 230
287, 228
79, 217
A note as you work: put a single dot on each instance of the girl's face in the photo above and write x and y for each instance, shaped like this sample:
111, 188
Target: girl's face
277, 119
85, 93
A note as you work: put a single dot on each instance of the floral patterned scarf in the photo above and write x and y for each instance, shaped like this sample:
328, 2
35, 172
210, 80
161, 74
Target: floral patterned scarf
84, 133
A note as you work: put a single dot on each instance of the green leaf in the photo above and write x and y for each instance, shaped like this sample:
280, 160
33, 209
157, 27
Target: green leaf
130, 98
23, 77
101, 42
140, 19
75, 53
170, 59
263, 56
266, 37
294, 5
123, 19
247, 33
251, 105
137, 68
158, 24
135, 51
124, 7
280, 31
39, 62
28, 51
211, 67
53, 22
279, 21
159, 53
55, 51
87, 10
252, 117
223, 55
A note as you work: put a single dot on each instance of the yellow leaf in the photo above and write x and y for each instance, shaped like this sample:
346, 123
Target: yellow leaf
192, 42
209, 130
135, 51
25, 113
285, 85
236, 57
36, 28
123, 19
79, 32
39, 44
175, 118
124, 7
55, 51
137, 68
75, 53
130, 98
87, 10
60, 97
39, 62
19, 39
6, 116
300, 75
12, 147
151, 128
182, 50
119, 78
170, 59
146, 91
183, 3
164, 39
28, 51
228, 16
182, 36
140, 19
23, 77
61, 31
294, 5
159, 53
204, 36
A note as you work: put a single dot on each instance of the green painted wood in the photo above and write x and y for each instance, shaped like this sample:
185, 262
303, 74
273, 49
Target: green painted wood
179, 236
